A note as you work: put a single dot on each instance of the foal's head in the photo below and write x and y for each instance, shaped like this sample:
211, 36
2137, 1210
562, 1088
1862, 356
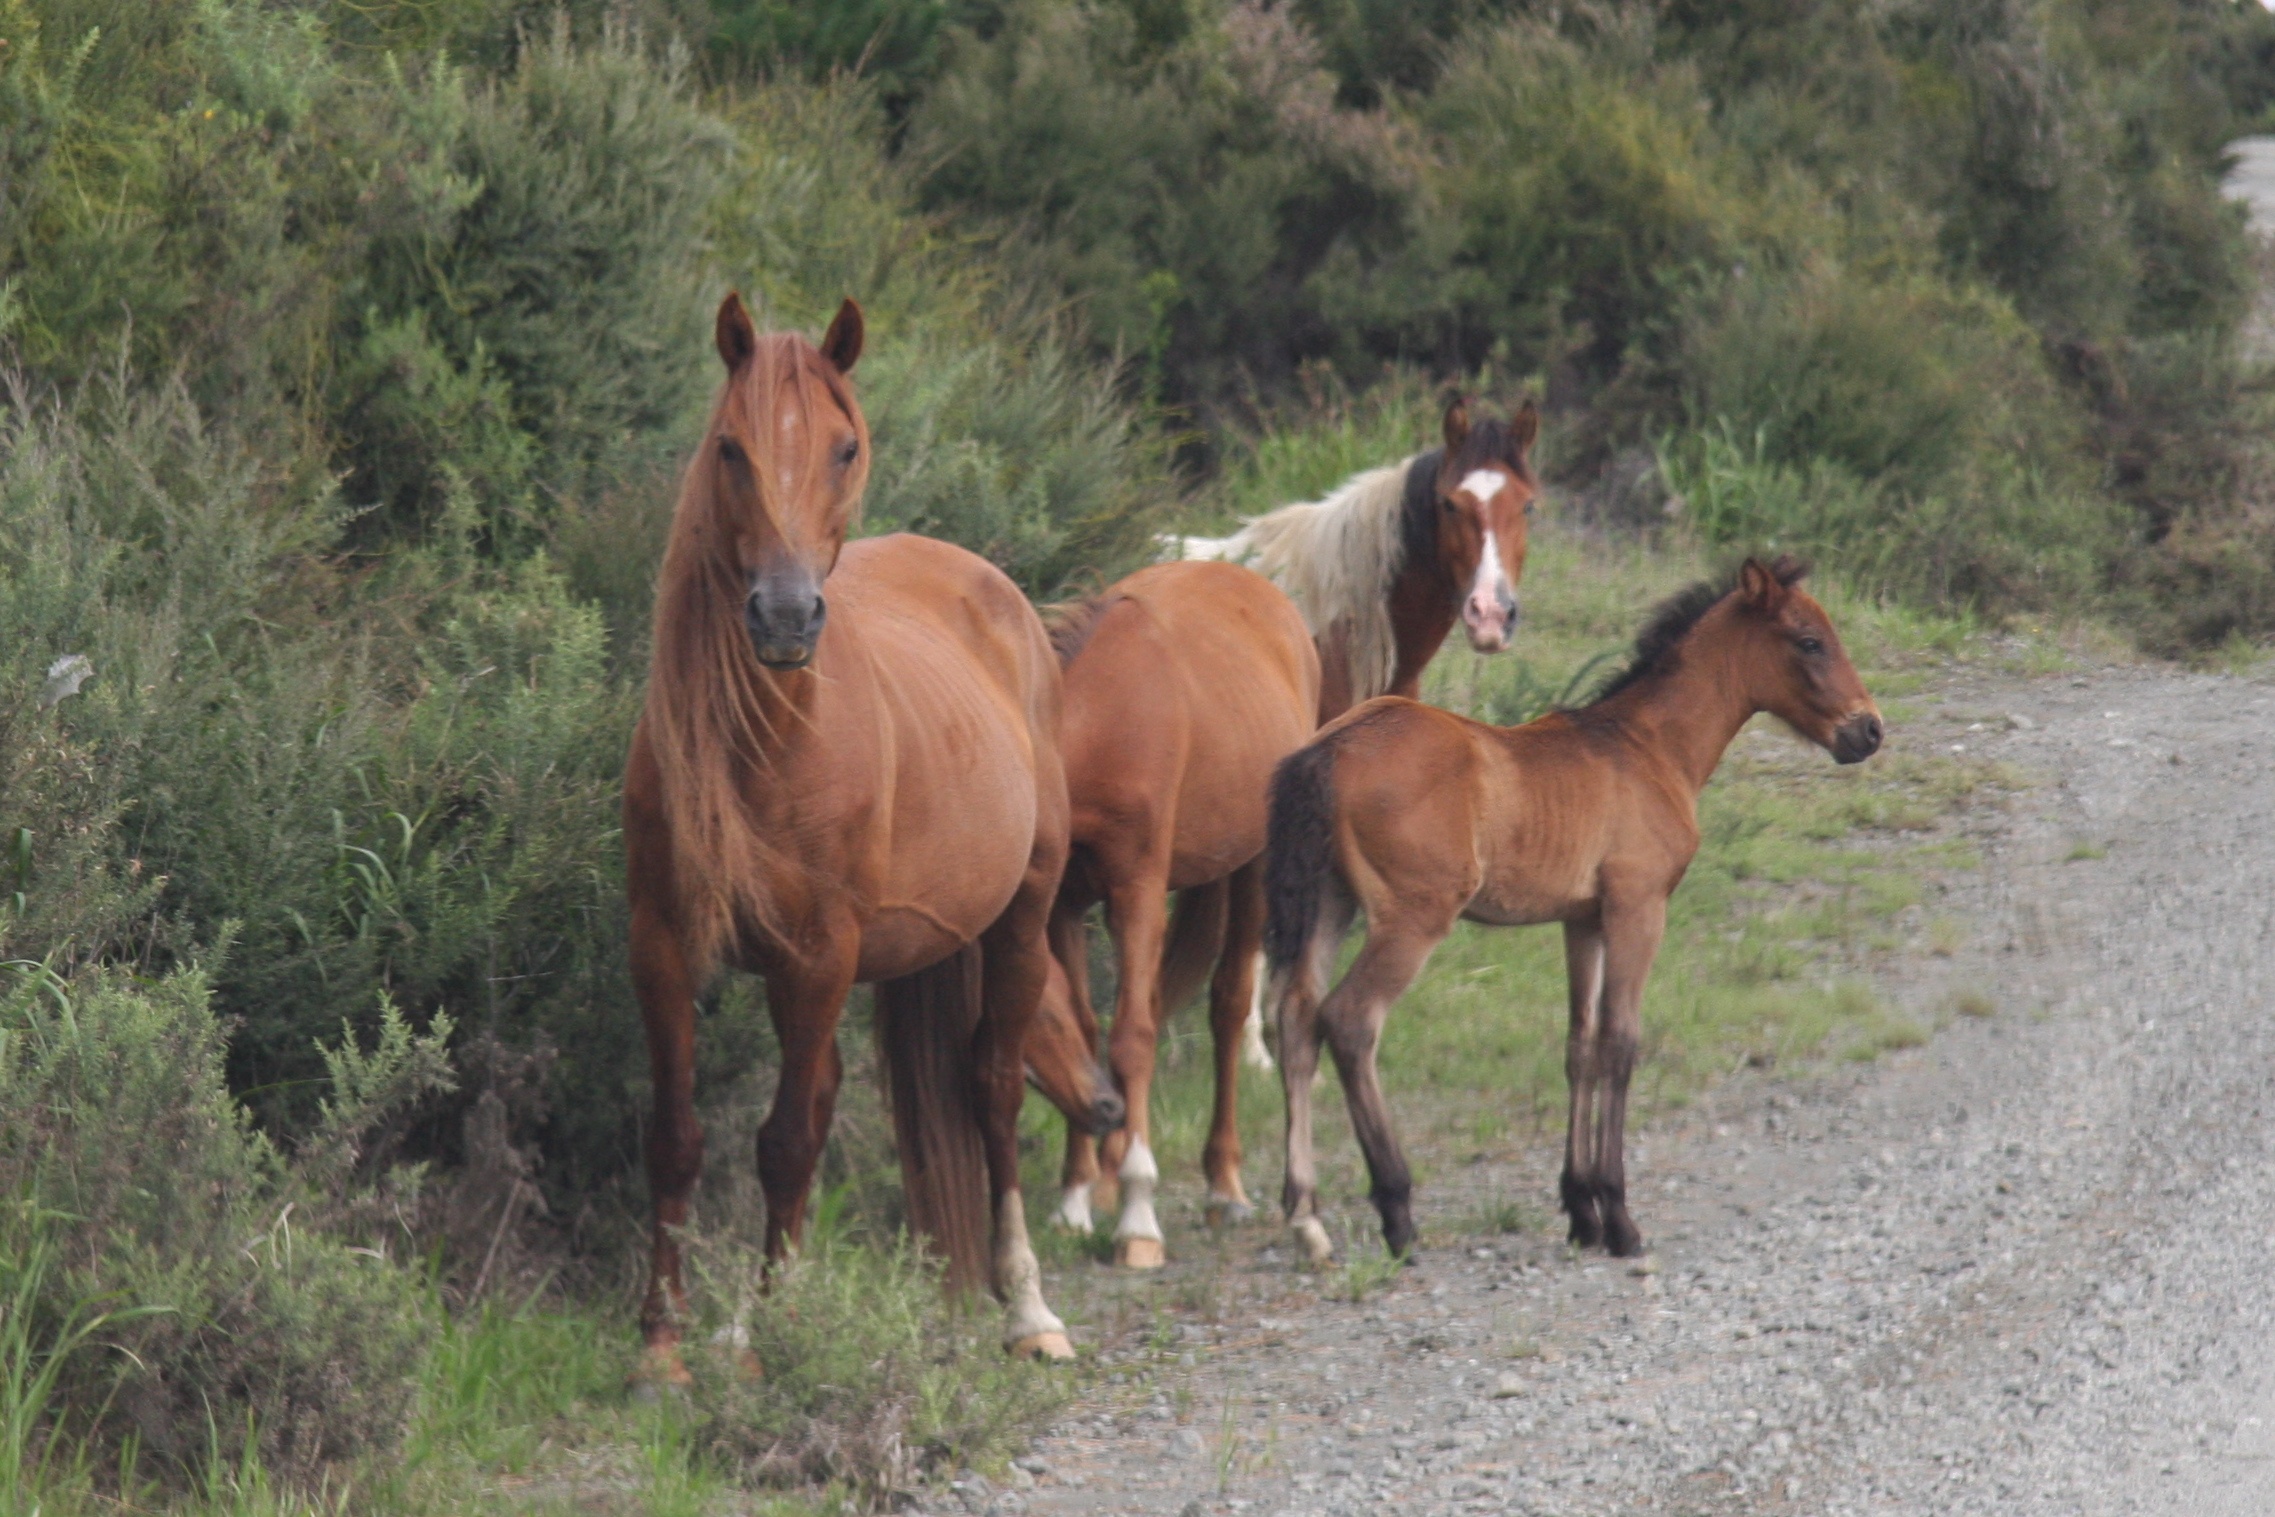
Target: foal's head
1485, 489
1795, 666
786, 459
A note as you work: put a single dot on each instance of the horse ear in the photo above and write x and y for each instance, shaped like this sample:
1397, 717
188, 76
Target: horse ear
737, 338
1524, 430
841, 344
1759, 587
1457, 425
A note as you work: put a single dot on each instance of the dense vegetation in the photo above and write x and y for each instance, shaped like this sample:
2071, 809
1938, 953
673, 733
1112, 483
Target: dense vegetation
351, 346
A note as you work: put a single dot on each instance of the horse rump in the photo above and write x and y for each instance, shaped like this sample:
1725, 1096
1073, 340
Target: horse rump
926, 1029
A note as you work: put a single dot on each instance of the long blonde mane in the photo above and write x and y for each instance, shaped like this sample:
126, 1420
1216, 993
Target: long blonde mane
1335, 558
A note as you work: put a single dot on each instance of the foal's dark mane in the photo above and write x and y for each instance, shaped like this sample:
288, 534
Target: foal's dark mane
1486, 446
1658, 647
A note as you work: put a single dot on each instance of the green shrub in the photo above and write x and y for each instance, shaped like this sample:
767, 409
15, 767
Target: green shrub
234, 1326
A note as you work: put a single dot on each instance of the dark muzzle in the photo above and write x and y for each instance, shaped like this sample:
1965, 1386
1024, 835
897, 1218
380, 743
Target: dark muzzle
784, 616
1858, 738
1107, 1112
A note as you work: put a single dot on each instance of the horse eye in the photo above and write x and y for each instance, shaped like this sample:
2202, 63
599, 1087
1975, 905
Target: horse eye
1811, 646
730, 450
847, 451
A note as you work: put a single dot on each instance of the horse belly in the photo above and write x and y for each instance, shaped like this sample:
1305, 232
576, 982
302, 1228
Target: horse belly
961, 840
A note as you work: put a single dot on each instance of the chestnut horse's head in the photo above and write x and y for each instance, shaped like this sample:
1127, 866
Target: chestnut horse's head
1485, 489
786, 457
1063, 1065
1800, 673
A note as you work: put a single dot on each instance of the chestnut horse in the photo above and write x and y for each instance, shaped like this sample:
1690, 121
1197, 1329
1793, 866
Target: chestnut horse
1184, 685
1384, 567
865, 787
1586, 817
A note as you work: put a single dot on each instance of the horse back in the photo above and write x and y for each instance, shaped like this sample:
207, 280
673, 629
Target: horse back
1195, 680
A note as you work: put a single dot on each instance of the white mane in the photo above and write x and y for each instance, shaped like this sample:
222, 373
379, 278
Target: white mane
1335, 558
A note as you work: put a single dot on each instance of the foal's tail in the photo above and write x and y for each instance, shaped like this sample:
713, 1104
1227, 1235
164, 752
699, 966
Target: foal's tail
925, 1030
1301, 878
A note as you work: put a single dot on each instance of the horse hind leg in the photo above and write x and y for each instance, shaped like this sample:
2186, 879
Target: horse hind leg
1295, 994
1354, 1016
1231, 992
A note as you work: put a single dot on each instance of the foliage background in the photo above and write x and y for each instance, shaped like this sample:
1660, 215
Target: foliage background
351, 350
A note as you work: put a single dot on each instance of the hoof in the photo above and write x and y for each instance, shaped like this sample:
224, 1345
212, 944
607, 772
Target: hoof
1139, 1253
1318, 1252
659, 1374
1227, 1211
1047, 1346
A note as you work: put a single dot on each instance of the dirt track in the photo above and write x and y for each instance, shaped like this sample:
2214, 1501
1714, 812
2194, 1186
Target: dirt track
2022, 1269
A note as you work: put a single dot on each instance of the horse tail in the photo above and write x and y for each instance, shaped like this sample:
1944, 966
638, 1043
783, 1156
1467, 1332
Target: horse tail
926, 1027
1196, 937
1300, 873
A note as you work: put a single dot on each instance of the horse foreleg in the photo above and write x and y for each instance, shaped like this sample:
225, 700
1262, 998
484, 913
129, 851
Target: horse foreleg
1296, 991
666, 991
1140, 917
1631, 942
1230, 993
1014, 963
1584, 981
805, 1002
1353, 1018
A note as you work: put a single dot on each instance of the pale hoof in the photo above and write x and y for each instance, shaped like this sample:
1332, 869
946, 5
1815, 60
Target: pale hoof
1048, 1346
1318, 1252
1229, 1211
1140, 1253
659, 1373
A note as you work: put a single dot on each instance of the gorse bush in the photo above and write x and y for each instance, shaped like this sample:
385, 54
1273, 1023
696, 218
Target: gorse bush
192, 1302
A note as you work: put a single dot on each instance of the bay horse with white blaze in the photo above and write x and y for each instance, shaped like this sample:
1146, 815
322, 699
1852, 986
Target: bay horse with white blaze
847, 771
1185, 685
1587, 817
1382, 568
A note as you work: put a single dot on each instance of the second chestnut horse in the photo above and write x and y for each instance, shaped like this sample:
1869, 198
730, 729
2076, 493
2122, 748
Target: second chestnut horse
1184, 685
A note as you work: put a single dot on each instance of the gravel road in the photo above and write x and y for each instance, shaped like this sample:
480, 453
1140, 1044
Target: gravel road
2022, 1269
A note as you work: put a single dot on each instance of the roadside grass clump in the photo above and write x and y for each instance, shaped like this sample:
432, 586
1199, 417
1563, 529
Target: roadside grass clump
181, 1311
849, 1370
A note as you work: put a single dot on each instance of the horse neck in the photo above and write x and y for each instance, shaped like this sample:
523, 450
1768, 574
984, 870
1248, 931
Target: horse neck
1691, 714
1421, 614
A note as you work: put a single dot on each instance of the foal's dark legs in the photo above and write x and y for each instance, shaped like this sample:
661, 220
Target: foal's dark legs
1584, 982
1353, 1016
1602, 1062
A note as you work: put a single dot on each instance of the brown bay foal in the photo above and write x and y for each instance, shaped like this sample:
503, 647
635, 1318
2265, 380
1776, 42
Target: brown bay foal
1585, 817
847, 771
1185, 684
